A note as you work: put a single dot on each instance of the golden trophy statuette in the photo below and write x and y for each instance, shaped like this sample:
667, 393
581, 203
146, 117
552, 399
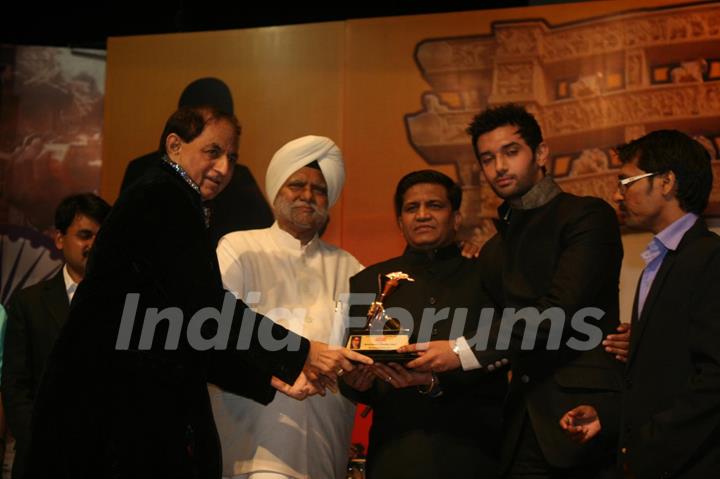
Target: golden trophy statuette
383, 334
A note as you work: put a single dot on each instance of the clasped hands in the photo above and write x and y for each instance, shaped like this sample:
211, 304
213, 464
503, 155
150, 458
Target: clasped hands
581, 424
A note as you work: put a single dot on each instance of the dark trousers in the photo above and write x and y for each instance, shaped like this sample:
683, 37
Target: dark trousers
529, 462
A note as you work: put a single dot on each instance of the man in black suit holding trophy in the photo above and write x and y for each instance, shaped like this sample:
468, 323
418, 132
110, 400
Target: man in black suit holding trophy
427, 425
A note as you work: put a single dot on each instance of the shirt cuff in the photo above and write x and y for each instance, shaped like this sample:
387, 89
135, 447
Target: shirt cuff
467, 357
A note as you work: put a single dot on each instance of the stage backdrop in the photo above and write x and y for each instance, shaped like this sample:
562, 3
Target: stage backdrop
396, 94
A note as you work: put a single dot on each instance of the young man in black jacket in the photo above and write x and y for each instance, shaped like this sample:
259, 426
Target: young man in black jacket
554, 256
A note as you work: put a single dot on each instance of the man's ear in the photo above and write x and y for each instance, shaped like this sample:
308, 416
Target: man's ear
542, 152
669, 183
173, 144
457, 220
59, 239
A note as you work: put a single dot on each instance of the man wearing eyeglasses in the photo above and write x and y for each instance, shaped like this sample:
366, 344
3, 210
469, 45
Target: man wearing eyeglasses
671, 402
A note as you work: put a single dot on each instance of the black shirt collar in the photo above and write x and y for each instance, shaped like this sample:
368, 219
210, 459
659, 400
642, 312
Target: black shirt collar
438, 254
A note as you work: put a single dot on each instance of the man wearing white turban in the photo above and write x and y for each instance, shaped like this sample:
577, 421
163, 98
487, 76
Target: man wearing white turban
302, 152
289, 274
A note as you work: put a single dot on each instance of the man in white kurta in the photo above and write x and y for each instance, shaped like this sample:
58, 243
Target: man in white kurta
289, 274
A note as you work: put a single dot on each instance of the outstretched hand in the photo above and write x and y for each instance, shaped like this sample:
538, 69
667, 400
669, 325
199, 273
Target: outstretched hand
301, 389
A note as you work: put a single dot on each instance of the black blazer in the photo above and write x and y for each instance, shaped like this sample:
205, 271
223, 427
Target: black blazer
143, 411
413, 435
35, 316
671, 406
565, 254
240, 206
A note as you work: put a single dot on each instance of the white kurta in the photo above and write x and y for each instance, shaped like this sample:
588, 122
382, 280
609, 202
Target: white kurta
302, 439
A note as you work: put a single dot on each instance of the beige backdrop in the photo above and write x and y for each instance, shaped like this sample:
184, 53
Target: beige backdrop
352, 81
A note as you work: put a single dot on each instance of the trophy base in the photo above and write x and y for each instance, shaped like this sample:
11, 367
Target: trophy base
388, 356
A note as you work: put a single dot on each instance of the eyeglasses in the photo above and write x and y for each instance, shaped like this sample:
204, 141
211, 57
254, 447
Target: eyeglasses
625, 183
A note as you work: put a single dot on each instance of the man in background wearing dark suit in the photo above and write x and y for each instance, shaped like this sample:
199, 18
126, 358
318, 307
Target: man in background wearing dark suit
36, 314
226, 216
671, 403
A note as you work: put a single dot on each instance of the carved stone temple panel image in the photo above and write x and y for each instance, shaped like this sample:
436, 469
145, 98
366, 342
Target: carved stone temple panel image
592, 85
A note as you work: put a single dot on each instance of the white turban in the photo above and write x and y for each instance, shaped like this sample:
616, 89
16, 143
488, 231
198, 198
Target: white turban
301, 152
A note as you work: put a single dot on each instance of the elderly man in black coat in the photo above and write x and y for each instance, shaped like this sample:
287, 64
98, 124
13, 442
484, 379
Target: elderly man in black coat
124, 394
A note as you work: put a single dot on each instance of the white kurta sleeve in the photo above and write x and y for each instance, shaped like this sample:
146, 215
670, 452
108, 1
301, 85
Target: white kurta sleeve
231, 269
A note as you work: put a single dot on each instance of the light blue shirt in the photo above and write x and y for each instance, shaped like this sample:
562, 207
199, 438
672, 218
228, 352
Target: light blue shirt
667, 239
